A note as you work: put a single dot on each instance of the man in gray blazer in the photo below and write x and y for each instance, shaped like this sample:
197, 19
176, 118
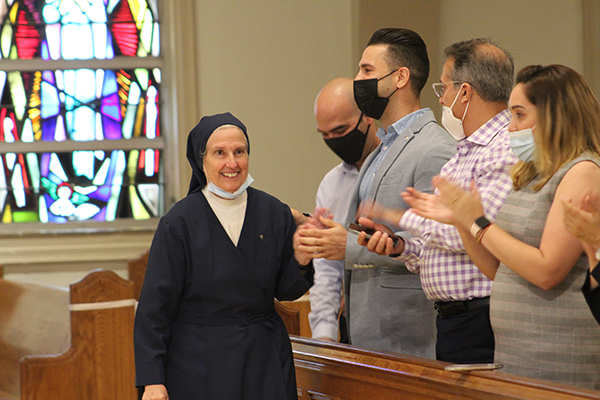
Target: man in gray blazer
386, 307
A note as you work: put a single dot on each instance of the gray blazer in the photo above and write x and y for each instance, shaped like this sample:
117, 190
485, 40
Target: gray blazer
386, 308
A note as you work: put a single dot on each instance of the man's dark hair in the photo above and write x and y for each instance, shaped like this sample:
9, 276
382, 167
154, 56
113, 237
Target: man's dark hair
405, 49
485, 65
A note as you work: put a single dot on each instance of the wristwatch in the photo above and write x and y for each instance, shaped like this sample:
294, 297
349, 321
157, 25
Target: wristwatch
479, 224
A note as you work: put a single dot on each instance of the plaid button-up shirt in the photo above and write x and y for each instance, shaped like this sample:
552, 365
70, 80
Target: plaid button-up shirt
437, 251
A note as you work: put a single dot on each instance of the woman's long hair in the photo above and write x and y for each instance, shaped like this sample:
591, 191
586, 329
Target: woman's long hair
568, 122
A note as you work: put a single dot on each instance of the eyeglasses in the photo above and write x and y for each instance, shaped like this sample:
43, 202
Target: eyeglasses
439, 88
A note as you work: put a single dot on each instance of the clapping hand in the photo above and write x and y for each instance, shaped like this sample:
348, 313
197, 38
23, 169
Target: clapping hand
450, 205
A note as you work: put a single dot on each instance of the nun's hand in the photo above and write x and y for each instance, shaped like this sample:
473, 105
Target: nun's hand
155, 392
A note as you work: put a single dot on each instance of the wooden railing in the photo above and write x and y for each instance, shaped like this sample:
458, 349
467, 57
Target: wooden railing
327, 371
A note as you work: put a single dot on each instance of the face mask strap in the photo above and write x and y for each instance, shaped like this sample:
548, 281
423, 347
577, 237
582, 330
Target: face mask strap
465, 113
385, 76
457, 94
359, 121
456, 98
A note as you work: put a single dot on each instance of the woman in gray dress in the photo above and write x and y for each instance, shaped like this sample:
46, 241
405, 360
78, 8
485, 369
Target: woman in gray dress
542, 325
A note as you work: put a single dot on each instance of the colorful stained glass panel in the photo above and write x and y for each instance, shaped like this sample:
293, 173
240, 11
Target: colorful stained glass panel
80, 105
80, 186
78, 30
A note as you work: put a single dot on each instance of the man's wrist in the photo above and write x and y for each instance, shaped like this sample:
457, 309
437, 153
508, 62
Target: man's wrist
402, 243
326, 330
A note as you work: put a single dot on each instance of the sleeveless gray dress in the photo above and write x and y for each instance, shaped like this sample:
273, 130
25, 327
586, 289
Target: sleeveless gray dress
543, 334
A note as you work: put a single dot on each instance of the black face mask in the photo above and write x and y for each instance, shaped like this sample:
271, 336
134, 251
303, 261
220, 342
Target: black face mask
350, 146
368, 100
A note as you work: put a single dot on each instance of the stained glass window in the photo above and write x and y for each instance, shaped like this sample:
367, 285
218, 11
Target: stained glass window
78, 29
78, 186
80, 143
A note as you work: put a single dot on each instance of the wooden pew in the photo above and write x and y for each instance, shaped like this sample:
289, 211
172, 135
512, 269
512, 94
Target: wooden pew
302, 305
34, 319
290, 317
99, 364
327, 371
136, 270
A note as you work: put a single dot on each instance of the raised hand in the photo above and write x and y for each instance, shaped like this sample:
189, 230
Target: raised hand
376, 212
429, 206
583, 220
465, 206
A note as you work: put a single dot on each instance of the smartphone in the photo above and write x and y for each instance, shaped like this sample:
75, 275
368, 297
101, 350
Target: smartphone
473, 367
357, 228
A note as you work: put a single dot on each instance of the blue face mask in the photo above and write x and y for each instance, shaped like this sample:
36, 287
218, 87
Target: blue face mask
522, 144
211, 187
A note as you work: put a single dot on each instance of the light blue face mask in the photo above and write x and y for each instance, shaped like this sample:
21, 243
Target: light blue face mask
522, 144
214, 189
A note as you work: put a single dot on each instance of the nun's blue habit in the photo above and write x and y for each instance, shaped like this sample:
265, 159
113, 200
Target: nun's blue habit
205, 326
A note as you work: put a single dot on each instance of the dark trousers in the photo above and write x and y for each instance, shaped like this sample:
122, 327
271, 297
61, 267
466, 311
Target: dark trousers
465, 338
343, 329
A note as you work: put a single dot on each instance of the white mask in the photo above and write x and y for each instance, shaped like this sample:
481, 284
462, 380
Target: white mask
211, 187
453, 125
522, 144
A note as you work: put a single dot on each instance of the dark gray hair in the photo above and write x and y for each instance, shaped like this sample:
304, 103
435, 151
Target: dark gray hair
485, 65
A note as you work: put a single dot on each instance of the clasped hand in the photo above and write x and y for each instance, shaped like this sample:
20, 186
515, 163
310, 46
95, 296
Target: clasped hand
327, 242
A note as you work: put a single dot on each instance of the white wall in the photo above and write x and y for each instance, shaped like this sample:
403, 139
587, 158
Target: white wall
265, 62
534, 31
